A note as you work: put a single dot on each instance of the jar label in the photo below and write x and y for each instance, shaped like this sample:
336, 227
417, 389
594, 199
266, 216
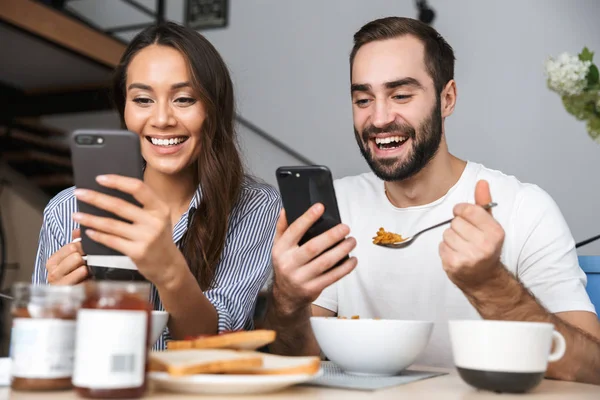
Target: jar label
110, 349
42, 348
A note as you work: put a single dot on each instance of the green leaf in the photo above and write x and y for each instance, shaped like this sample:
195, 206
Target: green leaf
593, 75
581, 106
593, 128
586, 54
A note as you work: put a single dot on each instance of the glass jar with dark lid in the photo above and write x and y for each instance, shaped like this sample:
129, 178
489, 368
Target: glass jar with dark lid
43, 335
113, 333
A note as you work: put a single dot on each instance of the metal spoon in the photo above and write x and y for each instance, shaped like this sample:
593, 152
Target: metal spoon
410, 239
5, 296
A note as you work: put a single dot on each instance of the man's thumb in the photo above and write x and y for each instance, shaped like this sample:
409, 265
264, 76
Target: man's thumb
482, 193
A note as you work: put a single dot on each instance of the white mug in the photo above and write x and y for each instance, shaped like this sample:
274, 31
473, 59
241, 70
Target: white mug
505, 356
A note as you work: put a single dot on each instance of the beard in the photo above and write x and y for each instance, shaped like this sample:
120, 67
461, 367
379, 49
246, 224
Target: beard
425, 144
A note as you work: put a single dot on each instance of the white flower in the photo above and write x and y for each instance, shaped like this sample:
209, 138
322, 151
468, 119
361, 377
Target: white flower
567, 74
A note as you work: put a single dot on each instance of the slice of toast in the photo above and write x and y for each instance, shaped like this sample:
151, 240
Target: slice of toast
220, 361
242, 340
282, 365
208, 361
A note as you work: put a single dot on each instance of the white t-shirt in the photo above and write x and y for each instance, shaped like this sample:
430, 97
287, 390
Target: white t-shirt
411, 283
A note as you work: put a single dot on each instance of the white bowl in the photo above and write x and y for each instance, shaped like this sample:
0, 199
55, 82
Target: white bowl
373, 347
159, 321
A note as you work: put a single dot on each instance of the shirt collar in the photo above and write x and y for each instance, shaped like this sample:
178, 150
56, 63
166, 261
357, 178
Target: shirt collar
184, 222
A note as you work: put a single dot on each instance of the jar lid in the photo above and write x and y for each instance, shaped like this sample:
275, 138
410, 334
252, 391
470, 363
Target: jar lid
38, 297
118, 286
21, 288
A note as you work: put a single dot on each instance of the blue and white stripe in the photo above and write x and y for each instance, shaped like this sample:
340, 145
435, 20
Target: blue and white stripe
243, 268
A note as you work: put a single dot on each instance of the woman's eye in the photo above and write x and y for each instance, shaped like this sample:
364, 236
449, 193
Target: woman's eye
142, 100
185, 100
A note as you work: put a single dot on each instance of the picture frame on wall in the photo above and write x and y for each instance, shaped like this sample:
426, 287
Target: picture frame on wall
206, 14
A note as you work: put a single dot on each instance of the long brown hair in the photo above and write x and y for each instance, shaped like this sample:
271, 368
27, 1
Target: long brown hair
219, 169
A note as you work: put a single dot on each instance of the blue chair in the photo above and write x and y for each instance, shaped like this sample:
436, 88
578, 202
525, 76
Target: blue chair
591, 267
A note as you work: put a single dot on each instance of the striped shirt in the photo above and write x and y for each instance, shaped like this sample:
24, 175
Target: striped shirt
242, 270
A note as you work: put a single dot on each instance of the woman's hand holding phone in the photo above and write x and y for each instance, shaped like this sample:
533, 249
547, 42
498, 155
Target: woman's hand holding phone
67, 266
146, 236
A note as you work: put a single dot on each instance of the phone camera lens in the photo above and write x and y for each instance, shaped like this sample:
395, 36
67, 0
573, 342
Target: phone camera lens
84, 139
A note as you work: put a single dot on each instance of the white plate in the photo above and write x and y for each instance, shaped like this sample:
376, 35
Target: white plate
227, 384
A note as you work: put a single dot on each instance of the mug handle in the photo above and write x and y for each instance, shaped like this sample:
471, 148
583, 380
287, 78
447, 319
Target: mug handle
559, 346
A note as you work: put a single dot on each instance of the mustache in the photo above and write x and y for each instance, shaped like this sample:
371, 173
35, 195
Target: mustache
393, 127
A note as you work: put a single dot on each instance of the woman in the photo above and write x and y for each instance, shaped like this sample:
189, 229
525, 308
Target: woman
173, 89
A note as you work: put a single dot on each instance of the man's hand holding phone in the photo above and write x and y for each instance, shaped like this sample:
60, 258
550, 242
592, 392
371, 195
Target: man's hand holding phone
67, 266
301, 273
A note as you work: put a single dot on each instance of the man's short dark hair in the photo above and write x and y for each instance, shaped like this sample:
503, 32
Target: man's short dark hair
439, 56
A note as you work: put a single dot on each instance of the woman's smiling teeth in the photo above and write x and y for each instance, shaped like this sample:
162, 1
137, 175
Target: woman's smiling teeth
167, 142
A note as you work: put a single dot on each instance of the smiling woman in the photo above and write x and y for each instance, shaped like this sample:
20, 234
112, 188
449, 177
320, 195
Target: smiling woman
203, 233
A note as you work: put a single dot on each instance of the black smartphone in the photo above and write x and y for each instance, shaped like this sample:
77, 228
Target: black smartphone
303, 186
101, 152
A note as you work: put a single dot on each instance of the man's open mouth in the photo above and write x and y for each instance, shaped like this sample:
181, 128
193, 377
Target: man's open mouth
390, 142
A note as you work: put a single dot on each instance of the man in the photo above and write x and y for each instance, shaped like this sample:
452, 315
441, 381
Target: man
514, 262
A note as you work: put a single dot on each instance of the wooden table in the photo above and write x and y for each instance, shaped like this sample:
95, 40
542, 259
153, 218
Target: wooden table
446, 387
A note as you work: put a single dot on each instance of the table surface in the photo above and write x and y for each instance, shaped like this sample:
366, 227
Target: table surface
447, 387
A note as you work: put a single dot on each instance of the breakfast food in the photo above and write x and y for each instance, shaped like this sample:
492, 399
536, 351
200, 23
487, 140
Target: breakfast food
207, 361
43, 336
220, 361
228, 353
103, 354
240, 340
384, 237
280, 365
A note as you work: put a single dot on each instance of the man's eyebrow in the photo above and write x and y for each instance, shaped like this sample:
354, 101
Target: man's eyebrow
360, 87
365, 87
404, 82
